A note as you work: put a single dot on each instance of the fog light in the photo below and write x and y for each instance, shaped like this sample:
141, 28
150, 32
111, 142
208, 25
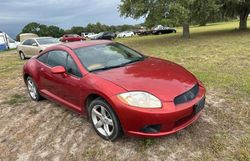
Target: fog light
151, 128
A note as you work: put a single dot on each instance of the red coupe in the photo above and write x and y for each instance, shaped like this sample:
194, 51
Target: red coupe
119, 89
71, 38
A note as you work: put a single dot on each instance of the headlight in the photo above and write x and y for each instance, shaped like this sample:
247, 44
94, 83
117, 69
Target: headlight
140, 99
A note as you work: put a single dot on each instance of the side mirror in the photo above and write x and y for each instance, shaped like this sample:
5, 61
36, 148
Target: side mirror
58, 70
34, 44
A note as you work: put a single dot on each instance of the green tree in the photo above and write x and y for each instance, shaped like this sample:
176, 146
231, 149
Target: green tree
203, 10
169, 11
42, 30
54, 31
239, 8
32, 27
77, 30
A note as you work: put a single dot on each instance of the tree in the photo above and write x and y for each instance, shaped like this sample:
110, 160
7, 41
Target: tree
43, 30
202, 11
166, 11
77, 30
239, 8
54, 31
32, 27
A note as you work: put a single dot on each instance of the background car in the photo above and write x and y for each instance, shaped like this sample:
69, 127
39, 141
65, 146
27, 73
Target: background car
119, 89
33, 46
88, 35
104, 36
126, 34
158, 30
72, 38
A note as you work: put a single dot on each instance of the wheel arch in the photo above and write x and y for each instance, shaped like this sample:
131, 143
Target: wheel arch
94, 96
25, 76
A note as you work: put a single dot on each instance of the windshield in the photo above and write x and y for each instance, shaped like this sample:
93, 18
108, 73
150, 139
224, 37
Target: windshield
45, 41
107, 56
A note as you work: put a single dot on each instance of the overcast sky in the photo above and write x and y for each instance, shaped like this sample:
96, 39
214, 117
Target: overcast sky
14, 14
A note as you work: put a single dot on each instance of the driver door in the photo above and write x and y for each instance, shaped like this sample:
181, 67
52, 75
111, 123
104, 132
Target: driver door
65, 88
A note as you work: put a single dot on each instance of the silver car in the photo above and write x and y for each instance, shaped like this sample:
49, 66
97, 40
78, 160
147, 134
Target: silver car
33, 46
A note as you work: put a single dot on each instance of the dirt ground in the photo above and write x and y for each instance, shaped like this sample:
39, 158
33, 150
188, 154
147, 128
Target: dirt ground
46, 131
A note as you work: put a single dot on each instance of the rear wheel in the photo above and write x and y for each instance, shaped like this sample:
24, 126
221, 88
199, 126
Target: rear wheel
104, 119
32, 89
22, 56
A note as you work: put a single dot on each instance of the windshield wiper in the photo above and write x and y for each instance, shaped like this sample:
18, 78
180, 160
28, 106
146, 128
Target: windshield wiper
117, 66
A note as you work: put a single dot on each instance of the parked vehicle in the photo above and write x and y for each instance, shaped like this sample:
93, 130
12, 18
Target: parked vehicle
88, 35
104, 36
118, 88
92, 35
126, 34
26, 36
143, 32
8, 41
72, 38
158, 30
33, 46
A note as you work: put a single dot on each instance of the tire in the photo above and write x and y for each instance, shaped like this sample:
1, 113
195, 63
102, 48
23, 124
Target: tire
22, 55
104, 120
159, 33
32, 89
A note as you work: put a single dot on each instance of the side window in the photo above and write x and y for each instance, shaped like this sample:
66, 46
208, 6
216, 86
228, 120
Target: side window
32, 41
43, 58
27, 42
57, 58
72, 68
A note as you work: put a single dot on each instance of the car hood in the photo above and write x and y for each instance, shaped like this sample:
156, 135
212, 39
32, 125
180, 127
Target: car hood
162, 78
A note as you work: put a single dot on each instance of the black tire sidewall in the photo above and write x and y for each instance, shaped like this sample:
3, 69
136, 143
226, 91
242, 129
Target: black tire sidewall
117, 127
22, 54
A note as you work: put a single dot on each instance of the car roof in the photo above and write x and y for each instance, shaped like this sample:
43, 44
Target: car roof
80, 44
41, 37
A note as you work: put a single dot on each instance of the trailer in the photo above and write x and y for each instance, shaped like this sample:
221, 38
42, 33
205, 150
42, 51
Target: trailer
25, 36
8, 41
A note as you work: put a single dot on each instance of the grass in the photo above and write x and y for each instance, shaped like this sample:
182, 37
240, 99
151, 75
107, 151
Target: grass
15, 99
218, 54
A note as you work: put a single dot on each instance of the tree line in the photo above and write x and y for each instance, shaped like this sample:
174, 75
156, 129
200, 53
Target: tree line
55, 31
165, 12
186, 12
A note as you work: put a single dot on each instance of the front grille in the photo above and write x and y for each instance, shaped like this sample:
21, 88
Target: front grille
187, 96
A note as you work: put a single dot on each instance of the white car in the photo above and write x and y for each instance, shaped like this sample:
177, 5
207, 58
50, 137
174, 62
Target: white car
91, 35
126, 34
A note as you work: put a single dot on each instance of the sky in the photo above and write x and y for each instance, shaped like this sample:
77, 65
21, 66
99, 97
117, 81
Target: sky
15, 14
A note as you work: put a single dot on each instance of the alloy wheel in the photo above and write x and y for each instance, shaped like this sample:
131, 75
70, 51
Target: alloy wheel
102, 120
32, 89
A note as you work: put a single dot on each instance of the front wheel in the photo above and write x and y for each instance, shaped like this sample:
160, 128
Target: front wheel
32, 89
104, 120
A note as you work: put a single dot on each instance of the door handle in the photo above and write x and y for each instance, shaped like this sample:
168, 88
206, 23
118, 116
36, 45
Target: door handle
42, 69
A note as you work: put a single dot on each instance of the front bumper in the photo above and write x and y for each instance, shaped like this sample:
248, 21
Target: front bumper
170, 118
